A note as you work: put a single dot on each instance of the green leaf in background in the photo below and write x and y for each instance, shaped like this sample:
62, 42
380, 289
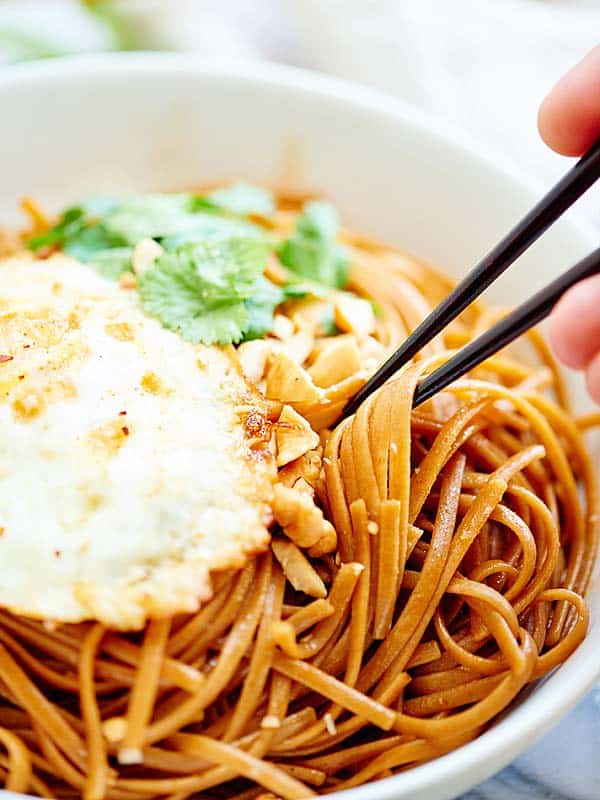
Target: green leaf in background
90, 241
318, 221
19, 45
123, 31
102, 222
86, 240
110, 25
151, 216
211, 227
311, 251
200, 290
99, 205
172, 218
242, 199
112, 263
70, 225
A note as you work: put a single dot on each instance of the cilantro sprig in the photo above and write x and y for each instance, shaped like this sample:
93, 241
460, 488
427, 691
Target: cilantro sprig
242, 198
312, 251
201, 290
209, 283
102, 223
214, 292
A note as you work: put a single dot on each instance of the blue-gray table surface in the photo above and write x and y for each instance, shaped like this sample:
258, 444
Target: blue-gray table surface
564, 765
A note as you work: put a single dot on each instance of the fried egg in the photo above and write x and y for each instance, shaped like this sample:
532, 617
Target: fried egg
126, 470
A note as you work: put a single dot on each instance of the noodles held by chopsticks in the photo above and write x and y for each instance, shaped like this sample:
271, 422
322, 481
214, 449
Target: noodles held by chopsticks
428, 564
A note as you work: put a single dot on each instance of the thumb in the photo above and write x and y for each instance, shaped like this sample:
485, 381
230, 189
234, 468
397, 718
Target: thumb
569, 117
575, 331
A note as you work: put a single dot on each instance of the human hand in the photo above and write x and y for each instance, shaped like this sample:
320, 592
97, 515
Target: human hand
569, 122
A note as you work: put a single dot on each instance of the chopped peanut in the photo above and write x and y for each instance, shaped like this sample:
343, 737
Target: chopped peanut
298, 569
326, 544
328, 411
306, 468
346, 388
270, 722
127, 280
372, 348
330, 724
298, 346
302, 521
145, 254
283, 327
322, 416
353, 314
288, 382
294, 436
114, 729
308, 314
302, 485
325, 342
252, 357
336, 363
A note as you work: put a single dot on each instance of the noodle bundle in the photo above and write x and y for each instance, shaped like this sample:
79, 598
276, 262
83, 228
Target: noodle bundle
427, 565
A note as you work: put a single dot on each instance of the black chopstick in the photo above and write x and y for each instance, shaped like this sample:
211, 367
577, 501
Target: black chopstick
507, 330
561, 197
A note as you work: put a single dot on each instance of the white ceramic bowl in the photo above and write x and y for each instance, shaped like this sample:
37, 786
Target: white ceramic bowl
144, 122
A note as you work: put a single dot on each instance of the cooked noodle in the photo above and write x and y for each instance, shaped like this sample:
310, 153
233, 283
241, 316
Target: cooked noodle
466, 533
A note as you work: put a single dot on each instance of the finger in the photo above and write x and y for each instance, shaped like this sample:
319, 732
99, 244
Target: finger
575, 324
569, 117
592, 377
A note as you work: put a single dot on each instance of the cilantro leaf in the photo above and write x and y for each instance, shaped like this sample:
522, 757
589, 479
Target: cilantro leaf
112, 262
232, 266
211, 227
151, 216
319, 221
298, 290
83, 239
242, 199
218, 325
261, 308
90, 241
102, 223
208, 285
97, 206
172, 218
200, 290
311, 251
266, 298
71, 223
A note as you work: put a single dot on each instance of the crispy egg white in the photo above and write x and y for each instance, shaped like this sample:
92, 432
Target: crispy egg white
126, 473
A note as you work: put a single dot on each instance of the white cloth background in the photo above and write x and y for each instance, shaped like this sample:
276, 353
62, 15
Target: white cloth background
484, 65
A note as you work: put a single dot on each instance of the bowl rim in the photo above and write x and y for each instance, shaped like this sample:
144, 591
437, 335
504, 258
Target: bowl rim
463, 768
269, 73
